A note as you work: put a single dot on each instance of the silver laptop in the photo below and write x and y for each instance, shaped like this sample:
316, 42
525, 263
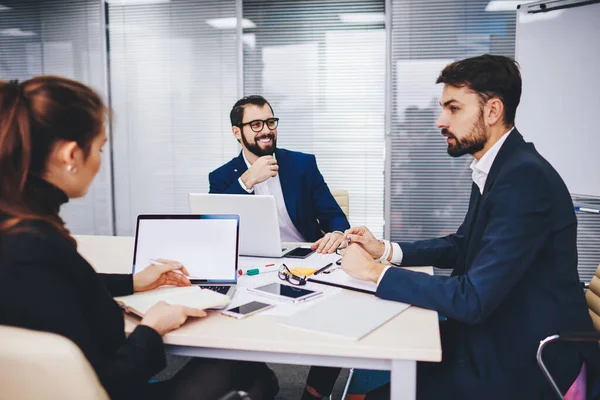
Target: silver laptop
207, 245
259, 221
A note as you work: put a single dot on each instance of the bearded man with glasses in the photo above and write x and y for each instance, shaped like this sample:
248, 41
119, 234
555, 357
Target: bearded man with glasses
305, 205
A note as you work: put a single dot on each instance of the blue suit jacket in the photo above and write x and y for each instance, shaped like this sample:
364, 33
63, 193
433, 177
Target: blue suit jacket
307, 197
514, 282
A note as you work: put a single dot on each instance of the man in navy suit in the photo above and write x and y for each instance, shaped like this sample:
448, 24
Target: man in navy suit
305, 205
514, 258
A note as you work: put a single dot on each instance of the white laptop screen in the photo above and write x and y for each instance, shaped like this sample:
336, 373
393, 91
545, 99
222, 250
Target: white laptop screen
205, 244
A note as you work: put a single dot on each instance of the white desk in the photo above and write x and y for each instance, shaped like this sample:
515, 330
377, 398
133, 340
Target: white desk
396, 346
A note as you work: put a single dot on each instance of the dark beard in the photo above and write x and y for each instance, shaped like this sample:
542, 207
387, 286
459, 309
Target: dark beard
255, 148
470, 144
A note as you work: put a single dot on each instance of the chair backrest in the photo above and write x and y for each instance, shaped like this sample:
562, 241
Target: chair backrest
343, 199
41, 365
593, 299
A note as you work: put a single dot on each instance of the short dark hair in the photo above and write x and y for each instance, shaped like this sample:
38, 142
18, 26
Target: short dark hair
489, 76
237, 112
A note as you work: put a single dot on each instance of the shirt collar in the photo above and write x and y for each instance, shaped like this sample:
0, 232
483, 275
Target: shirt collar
248, 165
481, 168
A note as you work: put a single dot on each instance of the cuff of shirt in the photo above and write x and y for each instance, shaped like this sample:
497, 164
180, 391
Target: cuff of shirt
244, 186
383, 274
397, 254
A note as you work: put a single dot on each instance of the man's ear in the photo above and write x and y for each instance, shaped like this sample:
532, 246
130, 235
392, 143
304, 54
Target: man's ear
494, 111
237, 132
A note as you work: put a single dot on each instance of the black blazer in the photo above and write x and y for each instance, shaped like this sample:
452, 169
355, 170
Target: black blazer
514, 282
46, 285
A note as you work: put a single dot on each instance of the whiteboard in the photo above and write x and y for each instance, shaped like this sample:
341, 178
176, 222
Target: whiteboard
559, 55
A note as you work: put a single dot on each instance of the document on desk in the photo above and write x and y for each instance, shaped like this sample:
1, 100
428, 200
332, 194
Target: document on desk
348, 315
337, 277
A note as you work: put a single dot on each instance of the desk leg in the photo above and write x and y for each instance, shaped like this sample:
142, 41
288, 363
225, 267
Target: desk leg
403, 380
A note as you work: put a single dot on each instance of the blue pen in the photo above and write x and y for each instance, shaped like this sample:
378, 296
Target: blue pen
586, 209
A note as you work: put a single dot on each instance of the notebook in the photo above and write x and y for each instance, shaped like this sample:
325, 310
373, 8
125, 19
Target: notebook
346, 315
191, 296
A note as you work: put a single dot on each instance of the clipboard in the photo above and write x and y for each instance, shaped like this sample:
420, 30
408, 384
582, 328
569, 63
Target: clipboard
339, 278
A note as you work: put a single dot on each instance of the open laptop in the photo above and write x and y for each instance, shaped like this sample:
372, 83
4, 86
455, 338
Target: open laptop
259, 221
207, 245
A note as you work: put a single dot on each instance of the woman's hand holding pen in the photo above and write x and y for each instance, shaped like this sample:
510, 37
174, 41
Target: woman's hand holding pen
166, 272
362, 236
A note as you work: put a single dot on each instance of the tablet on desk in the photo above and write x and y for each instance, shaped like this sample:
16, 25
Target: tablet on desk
285, 292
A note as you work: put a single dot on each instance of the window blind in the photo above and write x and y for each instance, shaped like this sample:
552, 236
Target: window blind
429, 190
62, 38
173, 82
321, 65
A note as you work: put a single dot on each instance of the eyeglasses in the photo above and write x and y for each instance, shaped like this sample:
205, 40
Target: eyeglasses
258, 124
286, 275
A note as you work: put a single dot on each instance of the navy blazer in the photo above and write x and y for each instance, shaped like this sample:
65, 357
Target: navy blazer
308, 201
514, 282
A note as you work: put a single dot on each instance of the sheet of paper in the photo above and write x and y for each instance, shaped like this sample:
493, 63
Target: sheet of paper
371, 311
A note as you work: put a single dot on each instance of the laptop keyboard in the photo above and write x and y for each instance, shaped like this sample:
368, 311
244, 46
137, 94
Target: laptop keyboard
218, 289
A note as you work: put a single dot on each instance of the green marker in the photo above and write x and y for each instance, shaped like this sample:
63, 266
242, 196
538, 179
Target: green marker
257, 270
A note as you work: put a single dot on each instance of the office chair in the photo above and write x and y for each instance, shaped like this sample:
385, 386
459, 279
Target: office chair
343, 199
42, 365
593, 300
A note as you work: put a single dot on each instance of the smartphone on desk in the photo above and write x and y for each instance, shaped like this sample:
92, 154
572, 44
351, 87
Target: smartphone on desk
245, 310
299, 252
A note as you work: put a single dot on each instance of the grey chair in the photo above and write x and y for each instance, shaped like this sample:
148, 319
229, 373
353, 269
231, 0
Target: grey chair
592, 296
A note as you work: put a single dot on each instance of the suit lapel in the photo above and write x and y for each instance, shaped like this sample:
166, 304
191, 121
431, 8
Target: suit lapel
513, 140
239, 166
288, 184
468, 225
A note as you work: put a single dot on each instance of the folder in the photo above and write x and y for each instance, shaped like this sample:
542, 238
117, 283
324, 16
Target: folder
341, 279
348, 315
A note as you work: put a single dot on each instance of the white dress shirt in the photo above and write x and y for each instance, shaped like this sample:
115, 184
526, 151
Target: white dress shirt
272, 186
481, 169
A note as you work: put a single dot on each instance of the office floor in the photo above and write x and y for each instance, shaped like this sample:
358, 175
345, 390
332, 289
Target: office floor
291, 377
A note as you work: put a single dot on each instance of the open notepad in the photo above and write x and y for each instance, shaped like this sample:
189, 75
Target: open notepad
190, 296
